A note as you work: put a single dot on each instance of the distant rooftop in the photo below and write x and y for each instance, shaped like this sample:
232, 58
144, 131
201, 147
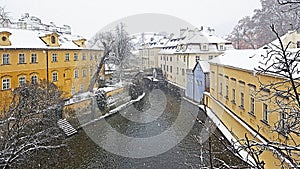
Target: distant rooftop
28, 22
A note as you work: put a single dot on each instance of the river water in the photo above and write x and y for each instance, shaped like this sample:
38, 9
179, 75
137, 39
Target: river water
93, 146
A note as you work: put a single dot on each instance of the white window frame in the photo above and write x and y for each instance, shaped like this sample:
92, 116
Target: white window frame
6, 59
54, 76
33, 58
22, 80
54, 57
22, 58
34, 79
76, 73
5, 83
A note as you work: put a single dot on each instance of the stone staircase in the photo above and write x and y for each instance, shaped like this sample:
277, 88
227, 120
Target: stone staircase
66, 127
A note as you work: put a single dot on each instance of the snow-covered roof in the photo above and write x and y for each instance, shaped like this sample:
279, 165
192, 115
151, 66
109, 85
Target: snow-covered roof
204, 66
247, 59
203, 37
244, 59
22, 38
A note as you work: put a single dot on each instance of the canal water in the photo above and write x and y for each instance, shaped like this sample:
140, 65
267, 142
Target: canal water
149, 118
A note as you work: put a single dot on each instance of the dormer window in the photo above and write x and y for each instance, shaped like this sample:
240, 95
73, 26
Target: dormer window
204, 47
221, 47
4, 38
53, 39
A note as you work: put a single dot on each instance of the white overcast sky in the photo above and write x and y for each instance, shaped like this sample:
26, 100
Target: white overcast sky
86, 17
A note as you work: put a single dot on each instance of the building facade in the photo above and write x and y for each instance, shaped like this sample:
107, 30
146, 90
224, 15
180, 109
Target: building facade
234, 99
197, 81
32, 55
182, 53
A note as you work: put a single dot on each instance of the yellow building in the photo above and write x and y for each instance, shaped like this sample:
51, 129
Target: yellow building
233, 83
32, 55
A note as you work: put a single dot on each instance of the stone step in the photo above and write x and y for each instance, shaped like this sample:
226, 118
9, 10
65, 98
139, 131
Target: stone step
66, 127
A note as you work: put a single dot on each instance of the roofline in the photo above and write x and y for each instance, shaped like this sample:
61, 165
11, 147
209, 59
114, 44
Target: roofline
49, 49
246, 70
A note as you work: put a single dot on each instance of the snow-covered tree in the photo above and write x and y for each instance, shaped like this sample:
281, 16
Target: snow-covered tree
117, 47
30, 122
4, 17
136, 89
254, 32
101, 99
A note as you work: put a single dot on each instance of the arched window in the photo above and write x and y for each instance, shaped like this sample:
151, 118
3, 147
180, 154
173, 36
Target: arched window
34, 79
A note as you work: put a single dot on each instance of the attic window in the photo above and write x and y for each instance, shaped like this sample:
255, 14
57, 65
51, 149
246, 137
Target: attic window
53, 40
3, 38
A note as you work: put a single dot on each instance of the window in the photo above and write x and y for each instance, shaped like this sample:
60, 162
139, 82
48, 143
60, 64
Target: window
22, 80
171, 69
298, 44
54, 57
3, 38
182, 72
197, 58
75, 56
53, 39
82, 88
221, 88
183, 58
210, 57
282, 122
167, 68
76, 74
33, 58
170, 59
91, 56
265, 112
83, 56
21, 58
67, 57
221, 47
252, 105
226, 91
91, 71
242, 100
233, 96
5, 84
204, 47
54, 77
83, 72
5, 59
73, 90
34, 79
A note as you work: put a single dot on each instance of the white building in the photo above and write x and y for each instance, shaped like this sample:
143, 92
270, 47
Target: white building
181, 53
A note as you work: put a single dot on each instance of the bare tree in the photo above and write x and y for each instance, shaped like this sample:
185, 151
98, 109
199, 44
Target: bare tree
4, 17
29, 124
117, 47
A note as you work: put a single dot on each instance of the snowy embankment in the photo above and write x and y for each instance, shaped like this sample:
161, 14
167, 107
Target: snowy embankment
114, 111
227, 134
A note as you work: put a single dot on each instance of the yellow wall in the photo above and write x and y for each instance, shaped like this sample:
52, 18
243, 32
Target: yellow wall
243, 82
64, 69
